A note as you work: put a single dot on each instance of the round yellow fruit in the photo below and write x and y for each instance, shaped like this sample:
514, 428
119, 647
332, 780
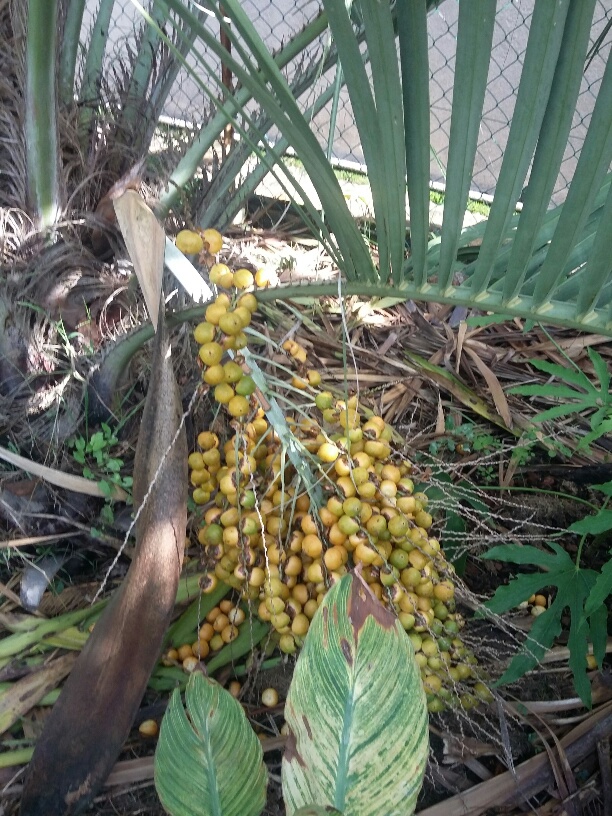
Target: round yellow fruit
213, 240
189, 242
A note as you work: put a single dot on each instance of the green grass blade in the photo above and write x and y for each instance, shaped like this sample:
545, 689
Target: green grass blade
591, 168
543, 46
552, 141
474, 39
412, 31
70, 51
41, 129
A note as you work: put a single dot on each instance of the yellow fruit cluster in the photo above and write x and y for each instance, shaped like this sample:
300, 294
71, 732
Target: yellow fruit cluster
221, 626
261, 534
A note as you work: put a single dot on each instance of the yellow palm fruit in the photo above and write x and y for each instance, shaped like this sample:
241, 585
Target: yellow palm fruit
213, 240
204, 332
214, 374
230, 323
224, 393
211, 353
244, 314
238, 406
328, 452
249, 301
208, 440
243, 278
269, 697
214, 312
189, 242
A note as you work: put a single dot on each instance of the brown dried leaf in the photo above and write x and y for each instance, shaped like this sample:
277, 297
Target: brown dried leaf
93, 716
145, 241
25, 693
497, 392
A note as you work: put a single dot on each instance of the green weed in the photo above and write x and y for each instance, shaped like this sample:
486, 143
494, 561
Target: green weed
95, 455
581, 591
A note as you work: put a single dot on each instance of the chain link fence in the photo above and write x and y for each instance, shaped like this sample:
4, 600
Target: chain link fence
278, 20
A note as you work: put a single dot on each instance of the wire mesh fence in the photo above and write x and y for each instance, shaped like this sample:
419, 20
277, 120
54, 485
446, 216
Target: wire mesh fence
277, 21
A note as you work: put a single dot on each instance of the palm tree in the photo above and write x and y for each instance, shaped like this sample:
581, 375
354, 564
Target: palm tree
545, 264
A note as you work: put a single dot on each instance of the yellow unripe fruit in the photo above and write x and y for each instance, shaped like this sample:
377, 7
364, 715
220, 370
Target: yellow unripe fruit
249, 301
269, 697
312, 546
314, 573
314, 377
335, 557
230, 323
444, 591
195, 461
189, 242
217, 272
148, 728
204, 333
214, 312
208, 441
243, 278
423, 519
234, 688
211, 353
328, 452
263, 278
213, 240
377, 449
224, 393
244, 314
214, 374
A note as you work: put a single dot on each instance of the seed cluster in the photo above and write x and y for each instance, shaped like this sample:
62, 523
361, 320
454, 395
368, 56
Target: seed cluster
221, 626
262, 535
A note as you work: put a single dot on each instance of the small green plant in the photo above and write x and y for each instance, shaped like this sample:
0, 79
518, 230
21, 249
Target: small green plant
95, 455
582, 591
357, 718
574, 393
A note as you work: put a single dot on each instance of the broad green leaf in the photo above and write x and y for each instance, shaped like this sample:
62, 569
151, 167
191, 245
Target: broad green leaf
518, 590
570, 375
552, 140
474, 38
573, 586
514, 554
599, 633
560, 410
605, 488
600, 591
601, 522
356, 711
578, 642
208, 761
